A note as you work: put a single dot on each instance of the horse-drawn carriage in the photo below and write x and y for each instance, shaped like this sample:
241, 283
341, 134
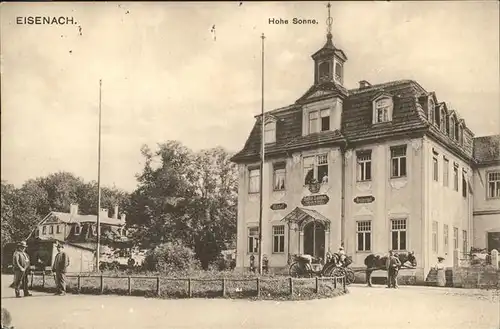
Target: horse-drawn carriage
308, 266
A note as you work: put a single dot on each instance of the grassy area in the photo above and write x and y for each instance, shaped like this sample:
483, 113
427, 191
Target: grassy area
203, 284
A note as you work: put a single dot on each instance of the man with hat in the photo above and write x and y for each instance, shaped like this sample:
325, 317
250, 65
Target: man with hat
393, 264
21, 265
61, 263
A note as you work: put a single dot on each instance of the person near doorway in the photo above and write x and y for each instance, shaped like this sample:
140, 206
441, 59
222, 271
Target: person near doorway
21, 265
342, 255
61, 263
392, 265
441, 272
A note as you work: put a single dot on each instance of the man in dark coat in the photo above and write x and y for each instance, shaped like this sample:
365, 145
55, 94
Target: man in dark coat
21, 265
61, 263
393, 265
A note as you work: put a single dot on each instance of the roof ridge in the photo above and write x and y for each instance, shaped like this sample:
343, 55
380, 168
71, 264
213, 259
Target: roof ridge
380, 85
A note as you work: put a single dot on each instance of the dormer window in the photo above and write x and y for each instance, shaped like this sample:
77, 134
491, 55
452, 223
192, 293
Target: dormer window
78, 229
382, 109
319, 121
270, 132
442, 122
461, 134
432, 109
452, 128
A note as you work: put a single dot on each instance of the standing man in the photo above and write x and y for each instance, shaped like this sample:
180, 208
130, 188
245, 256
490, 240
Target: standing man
61, 263
21, 265
392, 265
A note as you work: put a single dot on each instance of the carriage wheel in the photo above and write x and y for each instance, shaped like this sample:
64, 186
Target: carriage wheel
328, 270
338, 272
350, 277
296, 270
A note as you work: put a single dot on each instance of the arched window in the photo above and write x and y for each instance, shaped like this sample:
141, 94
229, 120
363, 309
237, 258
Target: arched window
442, 122
382, 109
338, 72
431, 109
270, 132
324, 70
452, 128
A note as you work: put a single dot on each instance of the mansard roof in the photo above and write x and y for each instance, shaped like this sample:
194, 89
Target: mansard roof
487, 149
357, 126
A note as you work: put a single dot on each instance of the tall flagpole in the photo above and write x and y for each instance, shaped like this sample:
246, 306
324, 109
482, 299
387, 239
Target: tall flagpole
261, 162
99, 184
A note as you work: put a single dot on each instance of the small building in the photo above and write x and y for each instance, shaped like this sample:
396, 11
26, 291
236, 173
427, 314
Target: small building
81, 229
487, 193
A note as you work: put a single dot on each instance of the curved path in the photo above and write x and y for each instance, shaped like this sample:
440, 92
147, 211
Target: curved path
374, 308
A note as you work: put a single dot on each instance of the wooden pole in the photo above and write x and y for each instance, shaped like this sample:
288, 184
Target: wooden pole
261, 163
258, 287
43, 279
79, 284
102, 284
291, 286
223, 287
99, 185
317, 285
190, 292
157, 286
129, 285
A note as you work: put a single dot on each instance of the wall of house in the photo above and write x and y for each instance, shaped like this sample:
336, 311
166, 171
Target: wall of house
395, 198
444, 204
59, 236
486, 210
80, 260
248, 206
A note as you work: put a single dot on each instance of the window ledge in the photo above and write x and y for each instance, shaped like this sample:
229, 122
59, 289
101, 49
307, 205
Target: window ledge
363, 251
399, 177
384, 123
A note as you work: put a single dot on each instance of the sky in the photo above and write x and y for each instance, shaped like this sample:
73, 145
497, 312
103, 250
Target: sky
165, 76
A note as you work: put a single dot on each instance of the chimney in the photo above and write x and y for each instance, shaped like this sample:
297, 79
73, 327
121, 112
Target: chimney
122, 217
73, 209
364, 84
115, 214
103, 213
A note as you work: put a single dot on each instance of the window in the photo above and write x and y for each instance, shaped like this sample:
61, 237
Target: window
319, 121
253, 239
78, 229
464, 185
279, 239
455, 238
279, 173
58, 229
494, 184
452, 128
51, 229
455, 177
324, 70
465, 245
435, 168
435, 236
398, 234
442, 122
446, 174
431, 110
338, 72
398, 161
325, 119
254, 181
364, 165
270, 132
364, 235
445, 237
383, 110
316, 168
313, 122
44, 230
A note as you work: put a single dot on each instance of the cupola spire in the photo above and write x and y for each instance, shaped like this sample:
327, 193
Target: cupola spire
329, 22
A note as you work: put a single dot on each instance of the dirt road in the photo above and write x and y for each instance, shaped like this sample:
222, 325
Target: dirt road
374, 308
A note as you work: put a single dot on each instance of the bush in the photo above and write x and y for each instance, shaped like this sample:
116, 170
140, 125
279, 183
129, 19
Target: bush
171, 257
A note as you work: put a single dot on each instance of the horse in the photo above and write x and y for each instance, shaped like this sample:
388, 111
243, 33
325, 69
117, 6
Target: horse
376, 262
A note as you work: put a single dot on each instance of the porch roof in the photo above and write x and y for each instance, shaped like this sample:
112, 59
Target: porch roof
300, 215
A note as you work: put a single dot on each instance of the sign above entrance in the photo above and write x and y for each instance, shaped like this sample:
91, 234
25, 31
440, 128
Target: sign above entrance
315, 200
364, 199
278, 206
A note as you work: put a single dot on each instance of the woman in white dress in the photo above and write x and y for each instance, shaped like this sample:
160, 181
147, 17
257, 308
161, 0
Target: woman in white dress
441, 272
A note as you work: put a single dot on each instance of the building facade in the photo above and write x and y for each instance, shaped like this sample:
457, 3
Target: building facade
376, 168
